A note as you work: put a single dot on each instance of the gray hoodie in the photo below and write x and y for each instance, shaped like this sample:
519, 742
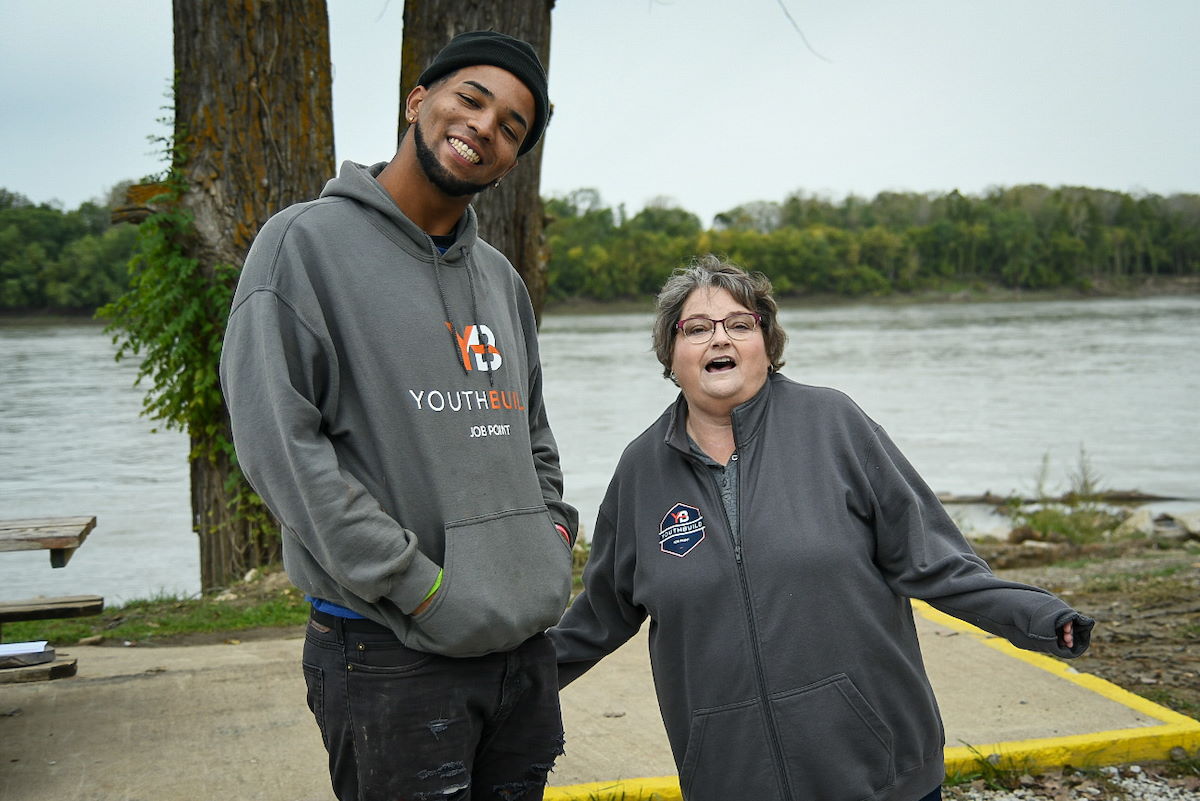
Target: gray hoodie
784, 651
387, 404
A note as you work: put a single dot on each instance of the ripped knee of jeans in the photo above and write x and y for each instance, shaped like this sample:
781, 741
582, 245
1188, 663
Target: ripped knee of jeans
454, 791
447, 770
538, 771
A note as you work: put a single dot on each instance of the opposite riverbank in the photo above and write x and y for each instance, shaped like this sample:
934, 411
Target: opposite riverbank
979, 292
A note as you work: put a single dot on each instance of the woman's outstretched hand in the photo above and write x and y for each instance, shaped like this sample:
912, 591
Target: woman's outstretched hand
1066, 635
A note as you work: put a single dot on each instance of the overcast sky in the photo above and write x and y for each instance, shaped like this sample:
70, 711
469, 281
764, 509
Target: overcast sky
711, 103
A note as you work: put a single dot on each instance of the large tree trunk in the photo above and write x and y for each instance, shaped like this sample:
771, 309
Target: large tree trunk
254, 125
510, 216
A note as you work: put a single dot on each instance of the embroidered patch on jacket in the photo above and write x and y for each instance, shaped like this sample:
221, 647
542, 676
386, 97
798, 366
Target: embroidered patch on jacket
682, 530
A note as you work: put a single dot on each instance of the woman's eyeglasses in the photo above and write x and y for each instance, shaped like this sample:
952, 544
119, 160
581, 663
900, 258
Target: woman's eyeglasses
699, 330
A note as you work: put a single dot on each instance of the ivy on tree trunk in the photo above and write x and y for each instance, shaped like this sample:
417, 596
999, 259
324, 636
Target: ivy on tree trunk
254, 126
253, 133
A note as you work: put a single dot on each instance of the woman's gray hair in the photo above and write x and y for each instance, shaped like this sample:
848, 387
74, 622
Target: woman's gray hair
752, 290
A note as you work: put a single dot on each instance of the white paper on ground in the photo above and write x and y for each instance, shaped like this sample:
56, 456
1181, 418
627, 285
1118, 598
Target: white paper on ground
18, 648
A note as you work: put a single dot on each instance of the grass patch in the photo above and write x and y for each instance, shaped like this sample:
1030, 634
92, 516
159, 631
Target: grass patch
1071, 524
167, 616
1078, 518
1184, 764
995, 772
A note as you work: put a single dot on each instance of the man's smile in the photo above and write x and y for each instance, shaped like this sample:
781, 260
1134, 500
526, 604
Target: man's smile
464, 150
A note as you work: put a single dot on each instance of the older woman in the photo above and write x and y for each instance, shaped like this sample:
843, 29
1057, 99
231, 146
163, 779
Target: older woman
774, 535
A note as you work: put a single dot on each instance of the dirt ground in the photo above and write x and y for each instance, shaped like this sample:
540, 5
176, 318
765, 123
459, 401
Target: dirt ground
1145, 596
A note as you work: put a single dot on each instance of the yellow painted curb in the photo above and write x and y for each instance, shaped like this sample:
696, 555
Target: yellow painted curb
663, 788
1081, 750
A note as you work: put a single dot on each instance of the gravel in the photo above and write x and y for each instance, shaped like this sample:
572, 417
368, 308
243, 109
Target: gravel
1127, 783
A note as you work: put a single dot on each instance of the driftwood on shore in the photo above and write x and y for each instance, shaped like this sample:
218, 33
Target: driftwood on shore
1104, 496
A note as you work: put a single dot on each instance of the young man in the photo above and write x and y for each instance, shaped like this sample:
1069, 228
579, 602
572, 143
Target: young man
382, 375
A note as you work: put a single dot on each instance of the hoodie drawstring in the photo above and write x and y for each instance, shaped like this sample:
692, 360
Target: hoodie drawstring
437, 272
483, 340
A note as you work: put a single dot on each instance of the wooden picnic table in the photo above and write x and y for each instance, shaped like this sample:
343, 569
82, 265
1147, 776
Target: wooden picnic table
60, 535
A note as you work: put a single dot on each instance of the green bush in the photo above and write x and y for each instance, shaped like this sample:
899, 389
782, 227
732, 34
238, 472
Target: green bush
1077, 518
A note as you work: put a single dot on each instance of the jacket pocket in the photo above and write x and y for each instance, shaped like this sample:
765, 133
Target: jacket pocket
834, 744
506, 577
728, 755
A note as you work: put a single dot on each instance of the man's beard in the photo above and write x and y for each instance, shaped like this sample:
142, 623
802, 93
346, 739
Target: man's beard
437, 173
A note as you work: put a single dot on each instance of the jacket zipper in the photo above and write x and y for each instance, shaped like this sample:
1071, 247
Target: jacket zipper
759, 673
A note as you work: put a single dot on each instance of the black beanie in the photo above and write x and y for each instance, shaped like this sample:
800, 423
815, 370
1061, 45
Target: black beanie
498, 50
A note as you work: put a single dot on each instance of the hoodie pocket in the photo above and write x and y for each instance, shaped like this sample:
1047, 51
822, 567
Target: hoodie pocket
834, 744
506, 577
728, 755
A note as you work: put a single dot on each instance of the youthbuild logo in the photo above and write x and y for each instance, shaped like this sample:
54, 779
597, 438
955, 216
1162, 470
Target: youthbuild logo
477, 341
476, 346
467, 400
681, 530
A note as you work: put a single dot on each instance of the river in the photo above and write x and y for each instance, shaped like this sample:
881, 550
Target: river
975, 394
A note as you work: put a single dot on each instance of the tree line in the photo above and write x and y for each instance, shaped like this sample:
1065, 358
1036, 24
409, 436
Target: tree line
1023, 237
52, 259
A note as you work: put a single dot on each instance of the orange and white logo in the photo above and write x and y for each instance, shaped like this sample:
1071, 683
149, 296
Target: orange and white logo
476, 345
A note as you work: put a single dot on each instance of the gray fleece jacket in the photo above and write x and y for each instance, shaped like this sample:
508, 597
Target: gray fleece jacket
784, 653
387, 404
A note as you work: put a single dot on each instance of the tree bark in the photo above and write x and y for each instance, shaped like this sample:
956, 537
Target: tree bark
511, 218
254, 131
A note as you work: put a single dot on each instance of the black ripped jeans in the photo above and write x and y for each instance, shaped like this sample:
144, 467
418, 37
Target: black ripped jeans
402, 724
